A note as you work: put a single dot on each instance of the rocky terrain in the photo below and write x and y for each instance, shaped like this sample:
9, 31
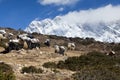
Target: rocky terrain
18, 59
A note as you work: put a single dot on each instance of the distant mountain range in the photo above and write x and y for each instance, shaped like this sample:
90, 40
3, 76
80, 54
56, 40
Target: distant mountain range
100, 31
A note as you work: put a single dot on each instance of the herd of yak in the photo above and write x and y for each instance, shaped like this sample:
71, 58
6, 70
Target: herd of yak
28, 41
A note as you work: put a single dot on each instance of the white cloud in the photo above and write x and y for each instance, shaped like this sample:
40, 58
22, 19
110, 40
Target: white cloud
57, 2
61, 9
103, 14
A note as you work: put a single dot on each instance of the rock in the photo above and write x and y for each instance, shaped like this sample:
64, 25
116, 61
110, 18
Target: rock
41, 52
22, 51
24, 73
37, 48
1, 62
13, 55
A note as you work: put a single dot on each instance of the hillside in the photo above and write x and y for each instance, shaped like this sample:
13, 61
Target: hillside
18, 59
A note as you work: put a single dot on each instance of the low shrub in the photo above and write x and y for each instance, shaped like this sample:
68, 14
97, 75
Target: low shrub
6, 72
50, 65
80, 41
31, 69
91, 59
116, 47
92, 66
93, 73
3, 43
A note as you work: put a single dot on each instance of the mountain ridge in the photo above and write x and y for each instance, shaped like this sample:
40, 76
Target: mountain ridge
100, 31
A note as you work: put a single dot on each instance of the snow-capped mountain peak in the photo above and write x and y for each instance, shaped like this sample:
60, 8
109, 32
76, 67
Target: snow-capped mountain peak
107, 32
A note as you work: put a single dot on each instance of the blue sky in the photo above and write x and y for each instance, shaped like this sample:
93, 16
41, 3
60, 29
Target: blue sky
19, 13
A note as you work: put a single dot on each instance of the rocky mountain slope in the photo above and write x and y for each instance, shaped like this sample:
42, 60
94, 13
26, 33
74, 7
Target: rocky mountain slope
19, 59
101, 31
